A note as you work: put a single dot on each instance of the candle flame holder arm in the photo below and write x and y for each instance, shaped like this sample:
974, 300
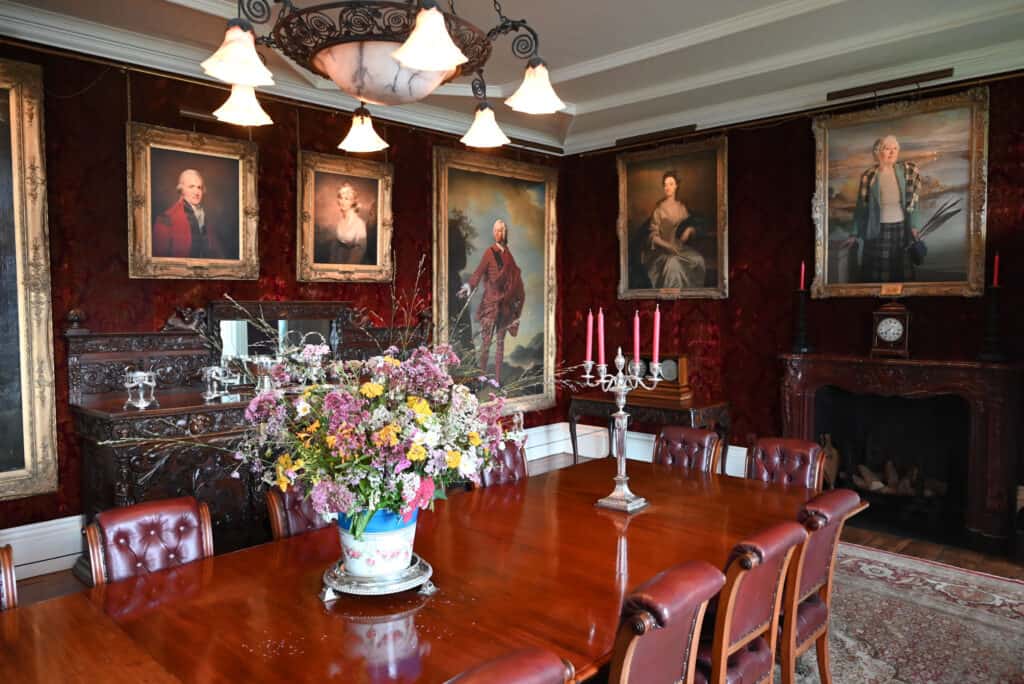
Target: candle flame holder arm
621, 384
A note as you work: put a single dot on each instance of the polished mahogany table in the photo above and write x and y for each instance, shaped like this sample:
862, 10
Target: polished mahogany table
533, 563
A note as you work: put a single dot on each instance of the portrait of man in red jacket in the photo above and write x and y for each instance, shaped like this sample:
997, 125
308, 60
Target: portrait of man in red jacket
187, 229
501, 305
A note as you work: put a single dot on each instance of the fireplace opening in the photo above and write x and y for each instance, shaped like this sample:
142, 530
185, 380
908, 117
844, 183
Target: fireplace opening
906, 456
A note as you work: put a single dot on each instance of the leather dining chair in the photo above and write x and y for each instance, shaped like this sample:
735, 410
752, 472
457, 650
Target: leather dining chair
509, 465
796, 462
527, 666
807, 601
8, 585
291, 513
688, 448
659, 617
147, 537
745, 634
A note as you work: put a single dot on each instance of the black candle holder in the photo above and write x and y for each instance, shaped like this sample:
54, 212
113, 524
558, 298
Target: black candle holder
992, 346
800, 343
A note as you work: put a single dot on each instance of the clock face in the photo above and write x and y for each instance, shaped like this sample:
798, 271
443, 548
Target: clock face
890, 329
669, 370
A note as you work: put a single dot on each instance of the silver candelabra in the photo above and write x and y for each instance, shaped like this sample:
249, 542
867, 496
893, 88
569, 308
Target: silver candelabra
620, 384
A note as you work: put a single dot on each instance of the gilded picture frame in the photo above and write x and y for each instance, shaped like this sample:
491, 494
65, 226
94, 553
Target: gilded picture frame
28, 398
473, 193
344, 219
938, 154
170, 235
674, 246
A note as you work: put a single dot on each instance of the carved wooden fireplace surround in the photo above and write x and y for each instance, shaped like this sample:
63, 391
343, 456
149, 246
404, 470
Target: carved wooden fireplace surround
992, 393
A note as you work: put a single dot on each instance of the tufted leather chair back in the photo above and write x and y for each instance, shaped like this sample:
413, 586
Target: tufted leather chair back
823, 517
688, 448
8, 585
509, 465
147, 537
291, 513
661, 616
787, 461
527, 666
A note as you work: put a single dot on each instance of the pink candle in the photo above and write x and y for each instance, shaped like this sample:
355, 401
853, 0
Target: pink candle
590, 335
995, 272
657, 332
600, 336
636, 337
803, 274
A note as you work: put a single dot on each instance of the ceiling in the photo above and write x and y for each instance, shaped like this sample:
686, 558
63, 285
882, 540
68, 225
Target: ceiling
624, 68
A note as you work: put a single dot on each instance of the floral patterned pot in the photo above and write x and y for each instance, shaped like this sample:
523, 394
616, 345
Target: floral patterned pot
385, 548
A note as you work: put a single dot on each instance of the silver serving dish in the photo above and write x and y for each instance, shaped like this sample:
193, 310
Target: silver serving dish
337, 581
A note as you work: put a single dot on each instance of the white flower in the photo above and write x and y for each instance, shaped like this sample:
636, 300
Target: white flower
469, 463
303, 408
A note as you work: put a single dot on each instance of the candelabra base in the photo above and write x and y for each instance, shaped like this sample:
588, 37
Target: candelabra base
622, 499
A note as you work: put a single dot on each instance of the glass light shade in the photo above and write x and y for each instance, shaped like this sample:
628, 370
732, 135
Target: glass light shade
429, 47
368, 72
236, 60
535, 95
485, 131
361, 137
242, 108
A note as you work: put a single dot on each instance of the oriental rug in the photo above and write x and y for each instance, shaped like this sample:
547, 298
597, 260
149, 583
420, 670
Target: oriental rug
903, 620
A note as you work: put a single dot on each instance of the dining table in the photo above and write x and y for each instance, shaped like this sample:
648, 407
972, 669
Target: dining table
532, 563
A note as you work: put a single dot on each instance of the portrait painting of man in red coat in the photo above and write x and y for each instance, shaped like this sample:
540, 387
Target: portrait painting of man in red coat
501, 305
184, 230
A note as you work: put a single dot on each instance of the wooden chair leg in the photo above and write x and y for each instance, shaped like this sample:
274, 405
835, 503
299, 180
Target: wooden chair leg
824, 666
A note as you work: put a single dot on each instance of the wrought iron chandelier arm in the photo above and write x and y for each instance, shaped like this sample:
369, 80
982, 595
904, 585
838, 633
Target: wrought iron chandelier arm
479, 85
525, 44
258, 12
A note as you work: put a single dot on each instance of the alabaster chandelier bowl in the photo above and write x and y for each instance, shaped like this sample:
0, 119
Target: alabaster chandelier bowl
368, 72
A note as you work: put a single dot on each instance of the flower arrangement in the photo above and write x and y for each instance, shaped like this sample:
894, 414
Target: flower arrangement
390, 435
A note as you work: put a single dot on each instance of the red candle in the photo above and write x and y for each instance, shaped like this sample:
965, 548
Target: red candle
995, 272
636, 337
803, 274
657, 332
590, 335
600, 336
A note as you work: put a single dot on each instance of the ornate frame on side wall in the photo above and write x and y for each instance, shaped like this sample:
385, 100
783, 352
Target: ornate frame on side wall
976, 101
141, 262
308, 269
446, 159
24, 84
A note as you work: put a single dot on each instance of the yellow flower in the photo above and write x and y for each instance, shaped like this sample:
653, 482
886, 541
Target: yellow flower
416, 453
474, 438
386, 436
331, 441
284, 462
453, 458
392, 361
371, 390
282, 483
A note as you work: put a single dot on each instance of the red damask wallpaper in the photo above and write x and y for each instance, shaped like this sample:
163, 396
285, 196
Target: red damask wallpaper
732, 344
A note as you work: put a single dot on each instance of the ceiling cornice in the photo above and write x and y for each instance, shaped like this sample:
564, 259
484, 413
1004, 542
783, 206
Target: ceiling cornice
1002, 58
974, 14
131, 48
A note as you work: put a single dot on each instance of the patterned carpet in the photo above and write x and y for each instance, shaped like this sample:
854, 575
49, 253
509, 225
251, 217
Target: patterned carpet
904, 620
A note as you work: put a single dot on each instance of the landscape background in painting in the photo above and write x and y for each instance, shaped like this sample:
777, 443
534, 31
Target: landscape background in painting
326, 213
698, 190
939, 143
475, 202
12, 450
220, 198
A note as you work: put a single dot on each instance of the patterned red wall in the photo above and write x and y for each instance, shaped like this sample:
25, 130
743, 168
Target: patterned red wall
733, 344
86, 110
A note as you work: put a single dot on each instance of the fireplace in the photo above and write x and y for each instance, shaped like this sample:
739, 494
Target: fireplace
906, 456
981, 477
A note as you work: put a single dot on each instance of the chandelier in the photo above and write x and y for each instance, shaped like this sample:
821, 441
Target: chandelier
381, 52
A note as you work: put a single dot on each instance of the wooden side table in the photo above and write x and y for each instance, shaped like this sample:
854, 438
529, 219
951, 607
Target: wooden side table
713, 415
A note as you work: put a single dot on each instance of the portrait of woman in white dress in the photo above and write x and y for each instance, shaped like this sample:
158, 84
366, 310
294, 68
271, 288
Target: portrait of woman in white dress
345, 220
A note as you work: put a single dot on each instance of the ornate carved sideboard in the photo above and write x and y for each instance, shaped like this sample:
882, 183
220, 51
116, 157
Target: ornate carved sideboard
186, 445
993, 395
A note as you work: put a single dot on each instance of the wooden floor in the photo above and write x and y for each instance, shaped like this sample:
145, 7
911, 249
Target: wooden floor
56, 584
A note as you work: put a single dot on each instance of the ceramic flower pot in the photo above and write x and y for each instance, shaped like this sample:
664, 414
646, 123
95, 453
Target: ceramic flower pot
385, 547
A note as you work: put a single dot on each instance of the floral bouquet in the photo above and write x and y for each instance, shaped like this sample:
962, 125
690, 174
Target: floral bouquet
389, 436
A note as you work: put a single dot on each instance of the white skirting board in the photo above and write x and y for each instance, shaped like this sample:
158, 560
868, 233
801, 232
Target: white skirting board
55, 545
45, 547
